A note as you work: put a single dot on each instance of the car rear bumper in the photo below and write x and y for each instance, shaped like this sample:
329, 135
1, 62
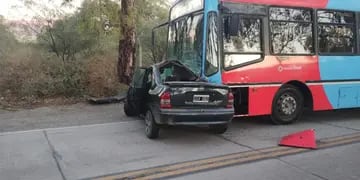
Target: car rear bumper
195, 116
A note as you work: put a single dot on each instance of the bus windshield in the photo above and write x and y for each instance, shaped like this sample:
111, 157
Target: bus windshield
185, 41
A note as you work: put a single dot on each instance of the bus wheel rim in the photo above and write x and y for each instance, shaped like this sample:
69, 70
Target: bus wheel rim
287, 104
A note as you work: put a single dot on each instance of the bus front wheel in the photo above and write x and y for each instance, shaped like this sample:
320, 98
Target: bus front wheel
288, 105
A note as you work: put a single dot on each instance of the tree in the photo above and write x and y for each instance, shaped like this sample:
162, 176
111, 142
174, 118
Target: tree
81, 32
97, 20
151, 13
63, 38
127, 44
137, 18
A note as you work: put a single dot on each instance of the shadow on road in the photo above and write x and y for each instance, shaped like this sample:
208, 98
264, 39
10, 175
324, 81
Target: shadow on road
262, 125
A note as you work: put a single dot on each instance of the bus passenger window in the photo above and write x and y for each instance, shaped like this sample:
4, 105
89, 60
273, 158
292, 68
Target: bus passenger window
336, 32
291, 31
242, 40
248, 38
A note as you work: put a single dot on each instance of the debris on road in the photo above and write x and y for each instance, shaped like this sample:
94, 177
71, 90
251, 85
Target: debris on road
107, 100
305, 139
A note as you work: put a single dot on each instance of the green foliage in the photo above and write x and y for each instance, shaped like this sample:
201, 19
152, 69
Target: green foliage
95, 29
74, 55
83, 32
92, 18
63, 40
151, 13
7, 40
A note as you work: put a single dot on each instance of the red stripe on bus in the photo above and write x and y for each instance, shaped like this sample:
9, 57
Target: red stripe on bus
275, 69
260, 100
278, 69
320, 99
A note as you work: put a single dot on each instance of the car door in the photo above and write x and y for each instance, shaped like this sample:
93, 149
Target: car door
136, 90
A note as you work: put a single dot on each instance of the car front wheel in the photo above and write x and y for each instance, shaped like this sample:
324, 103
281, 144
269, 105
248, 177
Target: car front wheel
151, 128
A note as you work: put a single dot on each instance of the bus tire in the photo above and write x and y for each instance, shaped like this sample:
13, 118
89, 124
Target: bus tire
288, 105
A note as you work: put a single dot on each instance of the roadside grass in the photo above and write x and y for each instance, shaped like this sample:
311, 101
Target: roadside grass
101, 76
31, 77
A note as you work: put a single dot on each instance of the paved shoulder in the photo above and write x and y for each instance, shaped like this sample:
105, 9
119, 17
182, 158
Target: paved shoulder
334, 163
27, 156
61, 116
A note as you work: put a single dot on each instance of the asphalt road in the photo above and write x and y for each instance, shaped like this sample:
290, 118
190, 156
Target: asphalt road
60, 116
339, 163
91, 141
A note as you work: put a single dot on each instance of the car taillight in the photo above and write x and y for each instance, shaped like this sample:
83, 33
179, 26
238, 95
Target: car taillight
230, 103
165, 102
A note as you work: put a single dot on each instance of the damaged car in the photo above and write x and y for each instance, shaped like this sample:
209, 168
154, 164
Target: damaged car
169, 93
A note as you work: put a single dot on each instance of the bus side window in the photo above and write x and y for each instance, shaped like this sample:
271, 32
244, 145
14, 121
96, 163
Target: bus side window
336, 32
291, 31
243, 43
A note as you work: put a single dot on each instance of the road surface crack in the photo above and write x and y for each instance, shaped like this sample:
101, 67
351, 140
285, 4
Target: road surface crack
338, 126
236, 143
56, 156
301, 169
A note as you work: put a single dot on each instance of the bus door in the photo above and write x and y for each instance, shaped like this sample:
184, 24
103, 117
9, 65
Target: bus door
212, 68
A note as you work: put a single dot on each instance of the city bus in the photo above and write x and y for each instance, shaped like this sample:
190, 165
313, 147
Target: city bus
278, 56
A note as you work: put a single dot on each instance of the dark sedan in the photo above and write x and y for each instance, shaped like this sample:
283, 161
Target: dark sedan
169, 93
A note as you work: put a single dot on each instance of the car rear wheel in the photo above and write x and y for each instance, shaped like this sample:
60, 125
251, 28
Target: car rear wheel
219, 129
151, 128
288, 105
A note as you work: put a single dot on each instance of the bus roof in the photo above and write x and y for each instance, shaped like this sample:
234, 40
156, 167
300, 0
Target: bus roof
350, 5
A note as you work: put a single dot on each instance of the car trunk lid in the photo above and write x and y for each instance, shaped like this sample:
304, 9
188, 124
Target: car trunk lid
198, 95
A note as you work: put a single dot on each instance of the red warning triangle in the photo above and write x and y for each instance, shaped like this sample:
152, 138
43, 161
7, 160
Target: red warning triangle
304, 139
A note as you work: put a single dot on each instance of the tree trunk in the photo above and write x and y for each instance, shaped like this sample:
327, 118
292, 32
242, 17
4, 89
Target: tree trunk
127, 44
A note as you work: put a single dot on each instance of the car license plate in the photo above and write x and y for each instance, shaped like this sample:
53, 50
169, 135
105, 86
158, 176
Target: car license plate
201, 98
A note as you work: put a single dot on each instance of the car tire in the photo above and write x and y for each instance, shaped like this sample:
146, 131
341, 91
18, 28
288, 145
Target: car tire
219, 129
288, 105
128, 110
151, 128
